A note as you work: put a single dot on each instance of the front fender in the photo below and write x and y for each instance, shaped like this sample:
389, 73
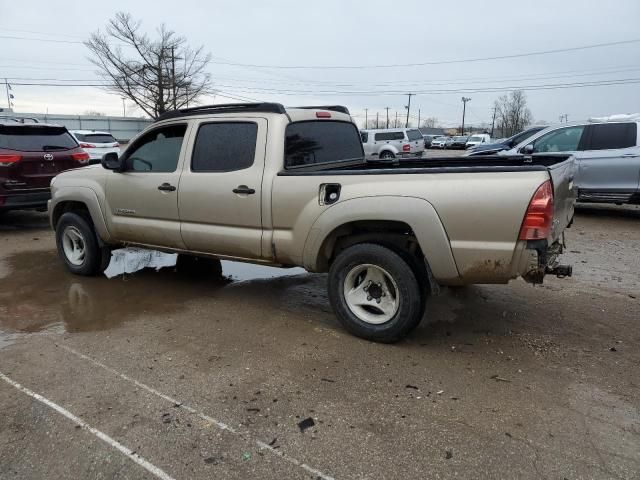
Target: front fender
86, 196
418, 213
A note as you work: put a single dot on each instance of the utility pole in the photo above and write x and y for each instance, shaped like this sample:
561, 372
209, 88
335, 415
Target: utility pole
124, 108
493, 122
387, 108
406, 123
564, 116
366, 118
464, 110
418, 118
395, 124
6, 86
376, 119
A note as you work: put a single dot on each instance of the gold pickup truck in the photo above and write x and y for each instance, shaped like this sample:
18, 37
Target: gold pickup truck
283, 186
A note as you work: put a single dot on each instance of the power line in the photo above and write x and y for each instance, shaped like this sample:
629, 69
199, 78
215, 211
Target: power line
40, 39
435, 62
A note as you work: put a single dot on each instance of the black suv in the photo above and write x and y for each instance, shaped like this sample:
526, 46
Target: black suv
31, 154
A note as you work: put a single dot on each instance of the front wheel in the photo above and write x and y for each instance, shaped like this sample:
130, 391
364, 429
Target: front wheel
374, 293
78, 246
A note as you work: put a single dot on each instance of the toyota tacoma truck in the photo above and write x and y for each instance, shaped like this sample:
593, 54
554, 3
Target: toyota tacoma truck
287, 187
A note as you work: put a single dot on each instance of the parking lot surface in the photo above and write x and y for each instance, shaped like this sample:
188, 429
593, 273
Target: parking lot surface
159, 375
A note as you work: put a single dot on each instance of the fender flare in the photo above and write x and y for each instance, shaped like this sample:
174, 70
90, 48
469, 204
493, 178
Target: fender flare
89, 198
416, 212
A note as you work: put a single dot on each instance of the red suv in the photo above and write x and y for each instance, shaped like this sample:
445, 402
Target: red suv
31, 154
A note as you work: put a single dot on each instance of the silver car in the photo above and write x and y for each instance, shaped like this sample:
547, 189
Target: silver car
388, 144
607, 153
441, 142
96, 143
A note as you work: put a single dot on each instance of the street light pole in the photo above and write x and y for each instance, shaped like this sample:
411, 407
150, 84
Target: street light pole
464, 110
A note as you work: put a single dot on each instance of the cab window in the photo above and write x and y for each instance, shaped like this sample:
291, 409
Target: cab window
157, 150
561, 140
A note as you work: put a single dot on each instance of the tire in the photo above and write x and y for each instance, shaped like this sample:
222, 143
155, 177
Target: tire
387, 155
78, 245
199, 266
385, 314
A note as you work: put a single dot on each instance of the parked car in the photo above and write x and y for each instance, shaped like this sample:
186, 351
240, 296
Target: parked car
441, 142
291, 187
428, 139
96, 144
459, 142
31, 154
388, 144
607, 154
478, 139
503, 143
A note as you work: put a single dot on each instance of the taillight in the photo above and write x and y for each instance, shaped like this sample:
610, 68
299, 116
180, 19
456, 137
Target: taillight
406, 148
81, 157
87, 145
539, 217
323, 115
7, 160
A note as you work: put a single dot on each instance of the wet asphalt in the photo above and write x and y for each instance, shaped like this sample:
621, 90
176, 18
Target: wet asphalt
162, 375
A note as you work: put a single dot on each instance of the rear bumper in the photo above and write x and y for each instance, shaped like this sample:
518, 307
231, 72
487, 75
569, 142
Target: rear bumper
540, 259
23, 201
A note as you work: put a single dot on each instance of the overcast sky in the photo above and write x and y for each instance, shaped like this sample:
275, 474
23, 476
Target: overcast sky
348, 33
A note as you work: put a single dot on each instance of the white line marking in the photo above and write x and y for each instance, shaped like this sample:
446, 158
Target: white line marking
217, 423
102, 436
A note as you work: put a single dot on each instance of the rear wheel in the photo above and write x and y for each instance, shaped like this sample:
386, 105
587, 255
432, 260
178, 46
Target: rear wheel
387, 155
375, 293
77, 245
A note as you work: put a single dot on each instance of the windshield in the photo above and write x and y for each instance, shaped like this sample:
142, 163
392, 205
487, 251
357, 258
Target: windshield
35, 138
414, 135
475, 139
522, 136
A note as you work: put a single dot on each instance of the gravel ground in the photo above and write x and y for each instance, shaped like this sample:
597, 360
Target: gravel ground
159, 375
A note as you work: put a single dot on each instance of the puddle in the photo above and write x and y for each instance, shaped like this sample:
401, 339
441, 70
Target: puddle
37, 293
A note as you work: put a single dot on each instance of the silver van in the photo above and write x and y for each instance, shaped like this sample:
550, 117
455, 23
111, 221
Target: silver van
388, 144
607, 154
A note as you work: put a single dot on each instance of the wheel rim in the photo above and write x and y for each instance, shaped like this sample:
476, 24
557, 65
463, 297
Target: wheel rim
73, 245
371, 294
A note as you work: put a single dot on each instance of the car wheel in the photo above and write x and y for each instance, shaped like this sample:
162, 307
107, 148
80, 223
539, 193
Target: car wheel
387, 155
200, 266
77, 245
374, 293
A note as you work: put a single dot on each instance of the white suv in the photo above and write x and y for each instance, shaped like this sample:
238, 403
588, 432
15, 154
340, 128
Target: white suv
388, 144
96, 143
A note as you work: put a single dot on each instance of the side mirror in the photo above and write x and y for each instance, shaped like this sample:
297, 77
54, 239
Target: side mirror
111, 161
527, 149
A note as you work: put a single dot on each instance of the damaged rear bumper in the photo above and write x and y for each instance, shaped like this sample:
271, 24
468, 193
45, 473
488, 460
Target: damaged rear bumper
544, 260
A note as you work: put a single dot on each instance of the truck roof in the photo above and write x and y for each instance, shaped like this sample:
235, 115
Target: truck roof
295, 113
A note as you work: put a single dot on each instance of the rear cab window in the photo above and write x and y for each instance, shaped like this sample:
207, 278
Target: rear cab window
608, 136
382, 136
33, 138
321, 142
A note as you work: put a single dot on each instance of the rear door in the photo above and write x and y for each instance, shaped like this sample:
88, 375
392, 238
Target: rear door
220, 195
43, 151
610, 162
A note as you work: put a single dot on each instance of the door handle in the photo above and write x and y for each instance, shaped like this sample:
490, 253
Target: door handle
243, 189
631, 155
167, 187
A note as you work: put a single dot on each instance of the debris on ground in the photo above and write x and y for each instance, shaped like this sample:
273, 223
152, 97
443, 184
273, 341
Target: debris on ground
306, 423
130, 259
166, 418
613, 349
213, 460
448, 454
246, 456
411, 386
440, 392
498, 378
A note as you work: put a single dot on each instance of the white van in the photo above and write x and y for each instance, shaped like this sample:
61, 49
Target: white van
391, 143
478, 139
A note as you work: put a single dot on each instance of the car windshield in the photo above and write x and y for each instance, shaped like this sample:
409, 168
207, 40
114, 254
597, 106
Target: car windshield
459, 139
475, 139
34, 138
522, 136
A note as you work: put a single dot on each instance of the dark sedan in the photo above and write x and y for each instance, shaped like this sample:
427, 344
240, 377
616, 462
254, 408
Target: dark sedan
506, 144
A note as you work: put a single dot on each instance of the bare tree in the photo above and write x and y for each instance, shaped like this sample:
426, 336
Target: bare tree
156, 74
430, 122
512, 113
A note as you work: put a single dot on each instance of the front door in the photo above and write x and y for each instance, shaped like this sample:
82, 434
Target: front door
142, 200
220, 194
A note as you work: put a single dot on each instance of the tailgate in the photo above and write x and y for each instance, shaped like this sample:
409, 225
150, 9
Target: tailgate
564, 195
